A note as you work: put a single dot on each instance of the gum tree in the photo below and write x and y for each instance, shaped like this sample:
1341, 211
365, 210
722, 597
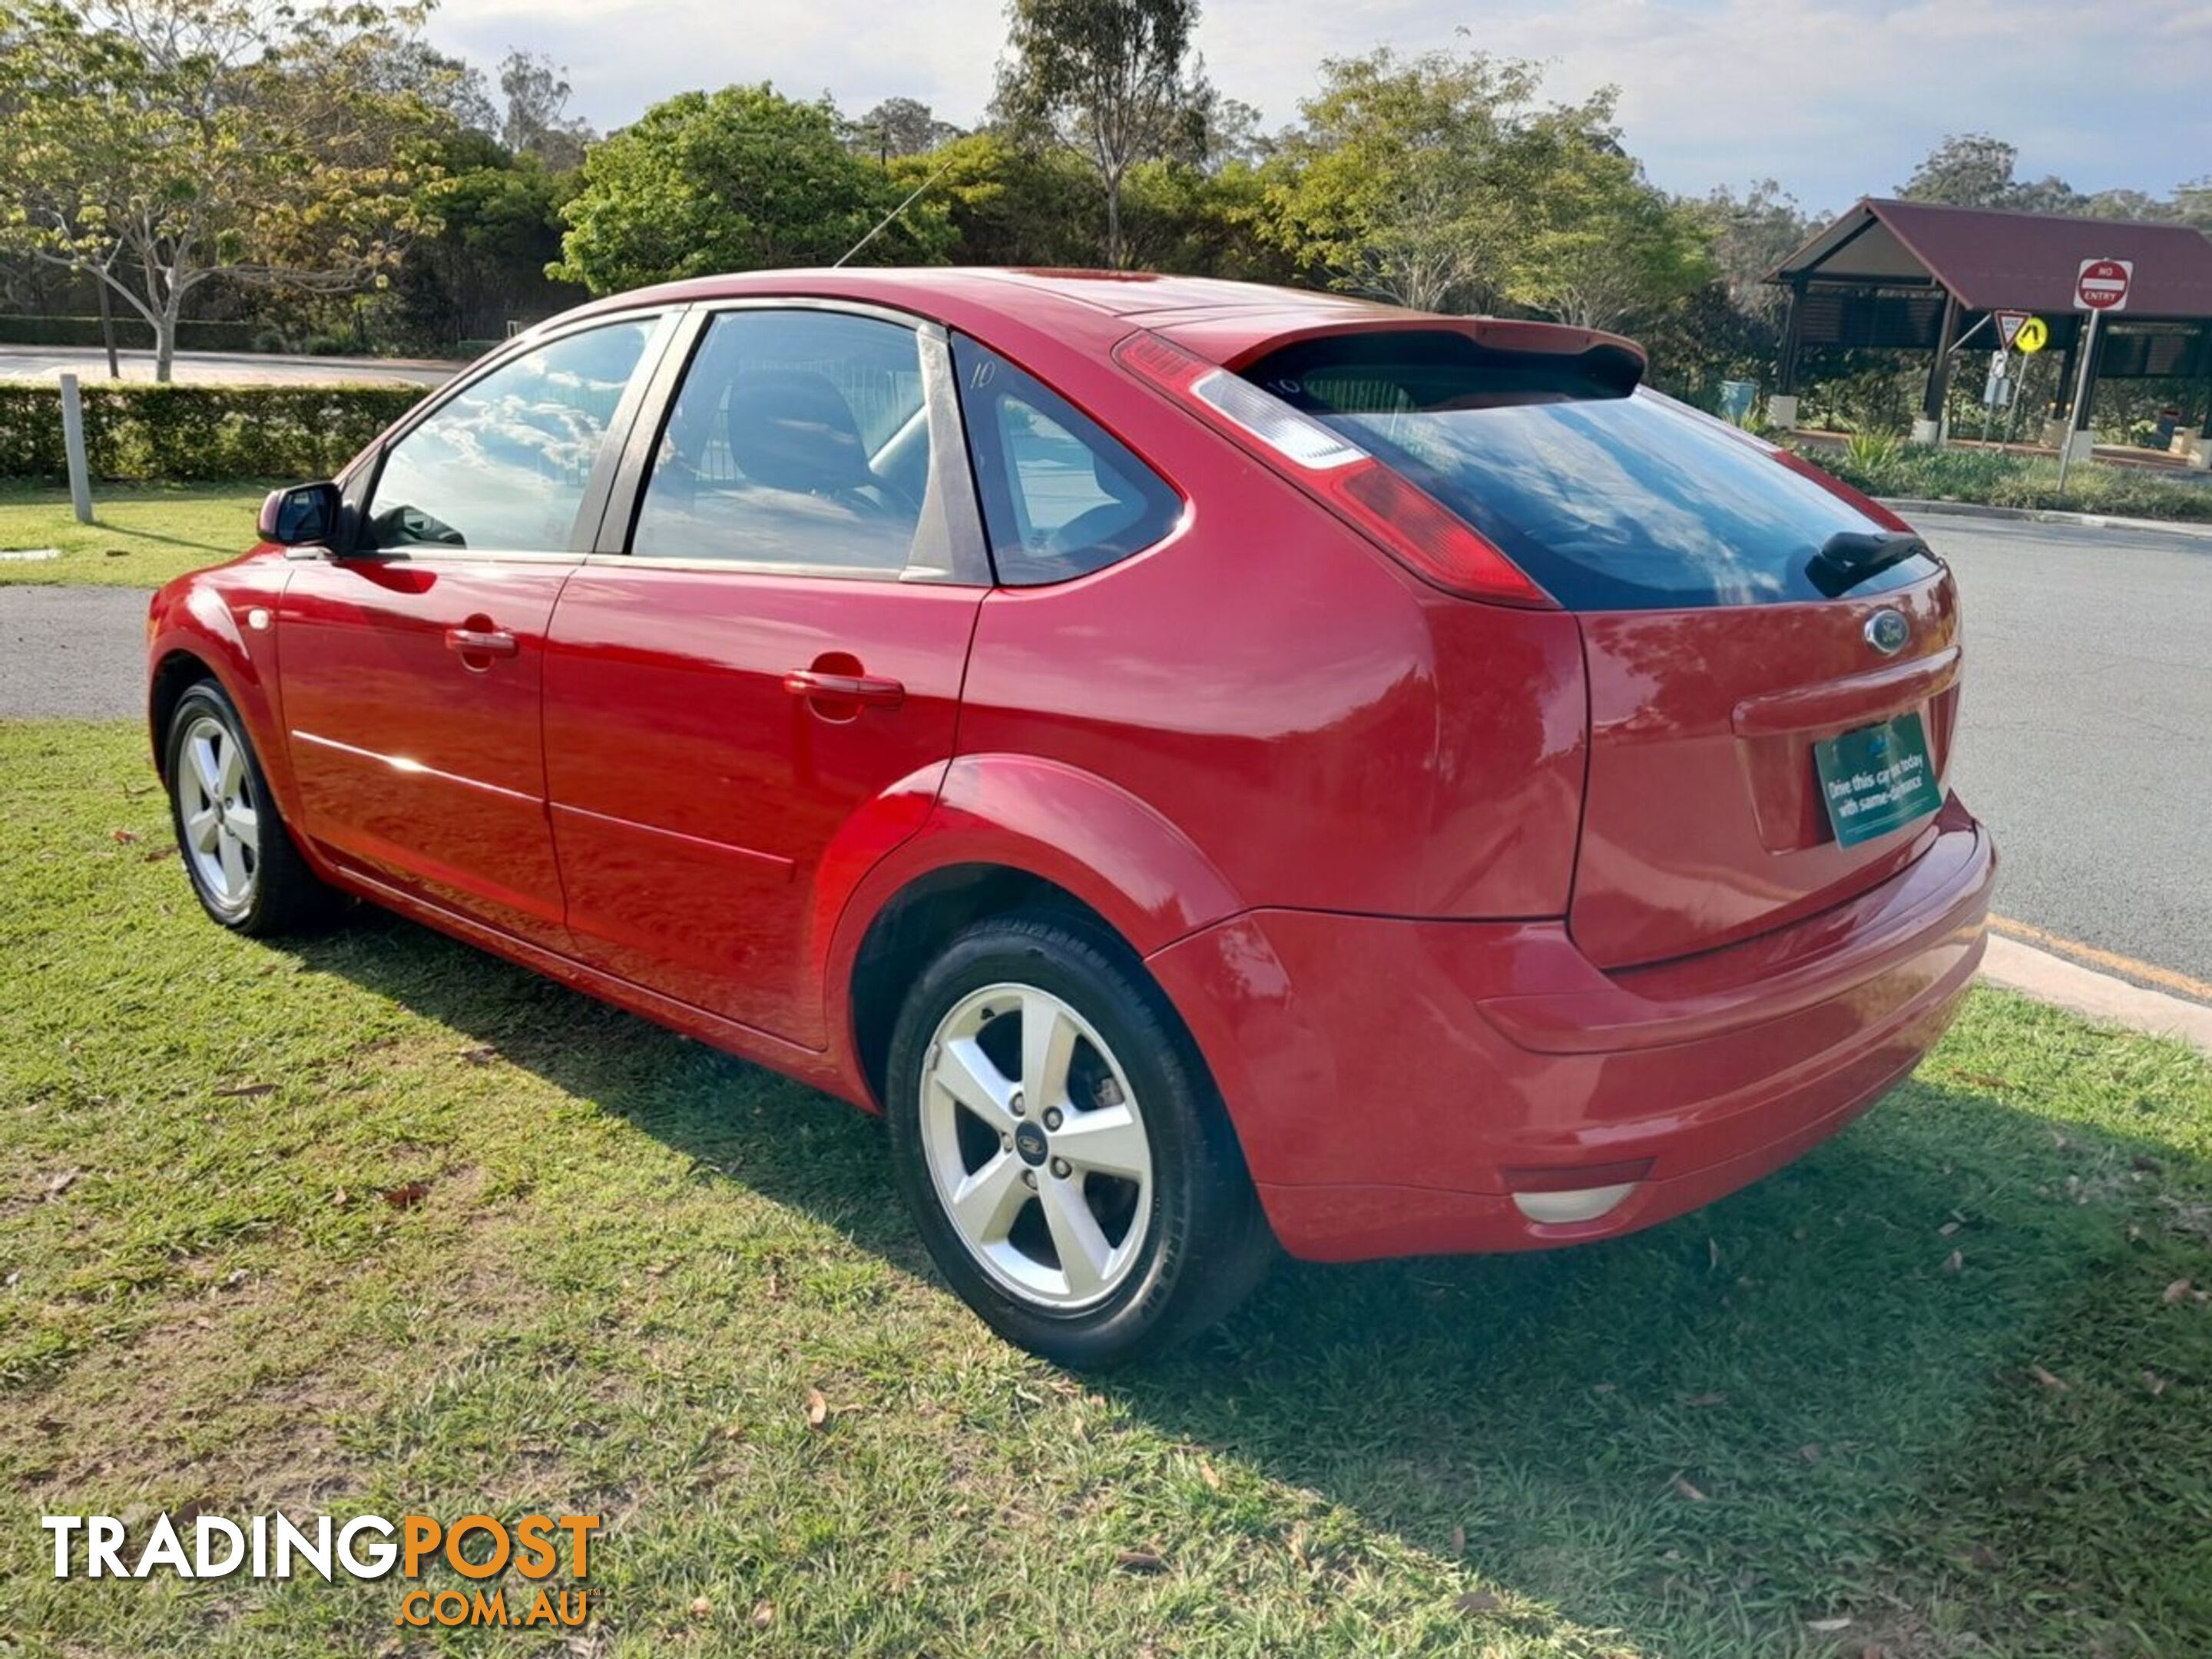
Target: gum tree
160, 144
1107, 79
1407, 179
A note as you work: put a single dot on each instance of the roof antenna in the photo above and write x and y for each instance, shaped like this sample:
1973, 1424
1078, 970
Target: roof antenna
881, 223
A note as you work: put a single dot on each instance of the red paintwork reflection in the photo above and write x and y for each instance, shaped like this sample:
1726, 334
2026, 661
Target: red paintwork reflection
694, 798
1324, 729
1388, 1071
1704, 824
423, 766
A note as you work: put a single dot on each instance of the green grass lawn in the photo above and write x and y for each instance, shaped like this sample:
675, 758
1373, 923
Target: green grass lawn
1930, 1380
144, 533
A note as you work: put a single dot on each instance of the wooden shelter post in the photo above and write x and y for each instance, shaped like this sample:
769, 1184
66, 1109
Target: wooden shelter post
1928, 429
1782, 407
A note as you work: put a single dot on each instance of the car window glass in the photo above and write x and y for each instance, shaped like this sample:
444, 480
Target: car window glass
502, 466
1611, 500
1060, 496
796, 437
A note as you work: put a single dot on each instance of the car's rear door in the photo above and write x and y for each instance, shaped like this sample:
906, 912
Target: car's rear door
412, 660
770, 639
1772, 664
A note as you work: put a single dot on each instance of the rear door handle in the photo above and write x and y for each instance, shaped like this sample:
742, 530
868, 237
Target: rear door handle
481, 642
869, 691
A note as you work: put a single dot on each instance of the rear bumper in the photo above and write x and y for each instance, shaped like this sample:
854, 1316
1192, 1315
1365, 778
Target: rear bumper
1394, 1082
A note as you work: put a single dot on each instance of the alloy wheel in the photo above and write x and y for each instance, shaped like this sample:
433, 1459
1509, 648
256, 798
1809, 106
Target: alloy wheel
220, 817
1036, 1145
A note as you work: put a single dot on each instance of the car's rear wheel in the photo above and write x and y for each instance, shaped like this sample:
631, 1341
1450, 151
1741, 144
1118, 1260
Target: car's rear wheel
1063, 1149
243, 866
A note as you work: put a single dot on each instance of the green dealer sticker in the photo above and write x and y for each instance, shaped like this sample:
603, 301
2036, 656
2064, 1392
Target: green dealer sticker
1876, 779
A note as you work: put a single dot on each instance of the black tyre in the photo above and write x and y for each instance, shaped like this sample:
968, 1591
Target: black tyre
244, 868
1063, 1149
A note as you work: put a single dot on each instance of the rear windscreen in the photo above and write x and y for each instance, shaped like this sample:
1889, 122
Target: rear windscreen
1611, 500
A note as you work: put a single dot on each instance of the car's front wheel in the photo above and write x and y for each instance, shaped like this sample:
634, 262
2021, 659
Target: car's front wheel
1063, 1149
244, 868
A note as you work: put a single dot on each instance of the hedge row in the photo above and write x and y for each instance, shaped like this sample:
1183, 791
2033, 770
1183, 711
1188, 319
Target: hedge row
1988, 478
134, 333
198, 433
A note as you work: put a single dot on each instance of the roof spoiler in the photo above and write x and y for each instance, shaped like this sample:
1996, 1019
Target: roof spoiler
1612, 360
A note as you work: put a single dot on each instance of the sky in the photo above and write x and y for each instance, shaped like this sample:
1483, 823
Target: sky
1833, 99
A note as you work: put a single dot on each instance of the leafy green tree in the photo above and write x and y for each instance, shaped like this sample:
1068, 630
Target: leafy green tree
1107, 80
1600, 246
160, 144
1203, 222
898, 127
1407, 180
1004, 203
1230, 132
453, 90
2192, 203
1750, 235
498, 218
1972, 169
738, 180
536, 122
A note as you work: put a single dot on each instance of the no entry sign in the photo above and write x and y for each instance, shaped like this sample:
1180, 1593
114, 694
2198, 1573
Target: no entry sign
2102, 284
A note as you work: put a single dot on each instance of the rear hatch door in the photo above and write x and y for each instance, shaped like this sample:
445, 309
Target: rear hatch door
1705, 820
1745, 620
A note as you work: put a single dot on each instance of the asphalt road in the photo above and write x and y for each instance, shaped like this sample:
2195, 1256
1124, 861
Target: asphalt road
2085, 729
2086, 738
76, 652
89, 363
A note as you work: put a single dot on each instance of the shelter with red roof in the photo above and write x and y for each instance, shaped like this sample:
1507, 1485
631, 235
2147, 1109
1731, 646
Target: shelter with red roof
1919, 275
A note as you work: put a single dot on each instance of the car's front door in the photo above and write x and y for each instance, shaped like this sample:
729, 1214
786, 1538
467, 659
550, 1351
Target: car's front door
773, 638
411, 663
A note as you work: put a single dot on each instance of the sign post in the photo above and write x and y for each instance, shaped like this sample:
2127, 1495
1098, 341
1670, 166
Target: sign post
2100, 285
80, 476
2030, 337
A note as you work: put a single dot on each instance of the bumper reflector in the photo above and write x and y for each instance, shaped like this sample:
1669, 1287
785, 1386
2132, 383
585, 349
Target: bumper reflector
1561, 1193
1579, 1204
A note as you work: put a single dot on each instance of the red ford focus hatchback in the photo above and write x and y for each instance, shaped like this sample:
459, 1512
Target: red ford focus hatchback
1216, 766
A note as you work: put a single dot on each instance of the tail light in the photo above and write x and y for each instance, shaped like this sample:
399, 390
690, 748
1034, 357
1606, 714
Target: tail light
1391, 511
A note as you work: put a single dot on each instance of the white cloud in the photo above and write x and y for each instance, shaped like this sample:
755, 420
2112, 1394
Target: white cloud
1835, 99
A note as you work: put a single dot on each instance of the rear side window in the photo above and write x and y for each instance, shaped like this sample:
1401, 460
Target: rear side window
1061, 497
1612, 501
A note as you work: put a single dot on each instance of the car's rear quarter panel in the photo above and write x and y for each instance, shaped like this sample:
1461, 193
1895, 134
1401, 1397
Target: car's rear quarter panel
1329, 732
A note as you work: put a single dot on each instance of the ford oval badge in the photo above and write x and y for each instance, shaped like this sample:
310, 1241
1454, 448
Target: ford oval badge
1886, 631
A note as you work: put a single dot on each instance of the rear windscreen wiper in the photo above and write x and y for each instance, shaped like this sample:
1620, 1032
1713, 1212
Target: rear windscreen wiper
1849, 557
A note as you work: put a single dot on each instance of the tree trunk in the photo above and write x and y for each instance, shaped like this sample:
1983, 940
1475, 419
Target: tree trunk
1113, 223
107, 330
164, 333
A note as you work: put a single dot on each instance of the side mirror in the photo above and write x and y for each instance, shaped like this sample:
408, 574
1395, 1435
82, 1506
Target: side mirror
303, 513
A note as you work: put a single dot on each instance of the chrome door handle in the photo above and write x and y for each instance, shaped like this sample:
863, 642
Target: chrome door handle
481, 642
869, 691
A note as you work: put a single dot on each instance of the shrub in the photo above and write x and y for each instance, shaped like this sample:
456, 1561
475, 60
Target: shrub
198, 432
1873, 452
1878, 464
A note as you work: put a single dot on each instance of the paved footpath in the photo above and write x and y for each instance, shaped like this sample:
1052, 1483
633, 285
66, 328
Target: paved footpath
89, 363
